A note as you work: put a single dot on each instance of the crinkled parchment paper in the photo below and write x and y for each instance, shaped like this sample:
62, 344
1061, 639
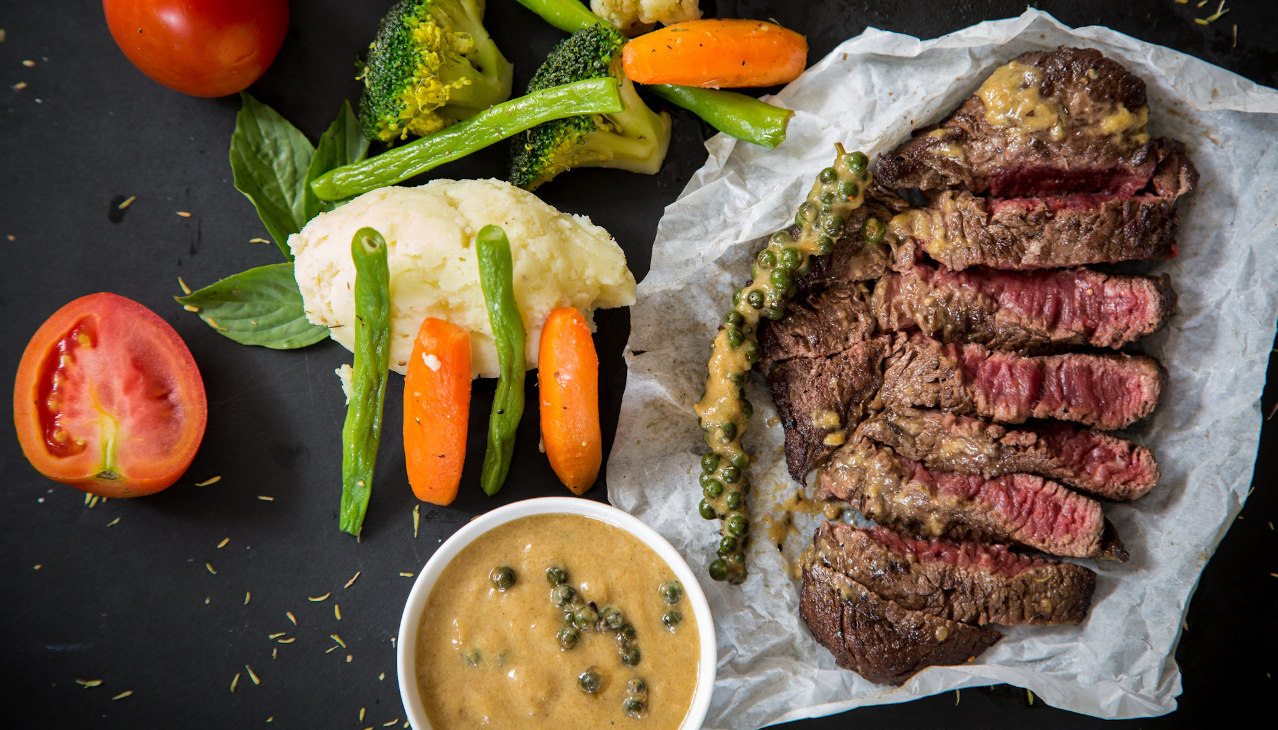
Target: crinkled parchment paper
868, 94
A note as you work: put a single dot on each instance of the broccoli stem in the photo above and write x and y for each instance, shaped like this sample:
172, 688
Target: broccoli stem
741, 116
595, 96
566, 15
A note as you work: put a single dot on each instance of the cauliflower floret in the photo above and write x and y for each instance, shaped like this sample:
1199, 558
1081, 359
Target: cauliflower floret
559, 261
639, 16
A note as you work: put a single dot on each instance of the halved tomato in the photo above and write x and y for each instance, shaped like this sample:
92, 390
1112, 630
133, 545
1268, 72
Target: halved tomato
108, 398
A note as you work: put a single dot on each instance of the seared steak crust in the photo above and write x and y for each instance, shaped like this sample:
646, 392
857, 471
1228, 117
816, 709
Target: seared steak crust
817, 324
879, 639
962, 581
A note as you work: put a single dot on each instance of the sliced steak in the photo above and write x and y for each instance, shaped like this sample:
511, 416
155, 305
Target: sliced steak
1095, 462
1020, 508
959, 580
817, 324
877, 638
1021, 311
1046, 123
820, 399
853, 258
1108, 391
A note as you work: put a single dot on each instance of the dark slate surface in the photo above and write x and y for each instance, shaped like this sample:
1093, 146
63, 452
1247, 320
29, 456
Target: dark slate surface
133, 605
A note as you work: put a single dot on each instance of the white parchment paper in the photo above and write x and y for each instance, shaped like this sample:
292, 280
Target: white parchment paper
868, 94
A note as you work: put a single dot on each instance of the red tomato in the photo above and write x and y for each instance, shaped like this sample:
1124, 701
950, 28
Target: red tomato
199, 47
108, 399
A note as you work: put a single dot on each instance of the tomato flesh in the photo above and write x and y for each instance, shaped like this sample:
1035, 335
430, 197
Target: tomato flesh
109, 399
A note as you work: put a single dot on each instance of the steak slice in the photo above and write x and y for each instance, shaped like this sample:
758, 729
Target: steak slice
1107, 391
1021, 311
877, 638
1095, 462
1046, 123
1020, 508
817, 324
964, 581
820, 399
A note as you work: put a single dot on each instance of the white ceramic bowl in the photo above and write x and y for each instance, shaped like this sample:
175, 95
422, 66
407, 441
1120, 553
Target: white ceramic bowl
407, 645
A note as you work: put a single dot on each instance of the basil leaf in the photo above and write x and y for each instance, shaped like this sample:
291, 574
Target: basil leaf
260, 306
343, 143
269, 159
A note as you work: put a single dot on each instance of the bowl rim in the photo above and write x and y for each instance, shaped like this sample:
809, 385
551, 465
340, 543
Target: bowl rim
406, 644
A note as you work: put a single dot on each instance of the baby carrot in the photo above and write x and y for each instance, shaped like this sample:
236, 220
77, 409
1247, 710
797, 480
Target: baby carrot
568, 382
436, 410
716, 53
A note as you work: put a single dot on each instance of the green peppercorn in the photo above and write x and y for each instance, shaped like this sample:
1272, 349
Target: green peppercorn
671, 619
709, 462
727, 545
568, 638
733, 500
502, 577
832, 225
633, 707
589, 681
728, 431
755, 299
735, 338
474, 657
737, 559
671, 592
736, 297
626, 633
790, 258
780, 278
556, 575
781, 238
707, 510
873, 230
825, 244
585, 617
857, 162
611, 617
806, 213
713, 489
827, 199
751, 351
636, 686
718, 569
740, 460
737, 525
629, 656
747, 409
848, 189
828, 175
766, 259
562, 594
705, 479
774, 313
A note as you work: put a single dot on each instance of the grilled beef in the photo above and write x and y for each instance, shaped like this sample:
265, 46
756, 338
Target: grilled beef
819, 399
877, 638
1104, 391
959, 580
817, 324
1020, 508
1046, 123
1022, 311
1095, 462
961, 230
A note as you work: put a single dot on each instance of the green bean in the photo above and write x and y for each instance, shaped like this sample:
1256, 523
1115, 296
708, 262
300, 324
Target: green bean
362, 430
497, 280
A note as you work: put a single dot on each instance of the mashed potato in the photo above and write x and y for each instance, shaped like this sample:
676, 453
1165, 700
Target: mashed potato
559, 260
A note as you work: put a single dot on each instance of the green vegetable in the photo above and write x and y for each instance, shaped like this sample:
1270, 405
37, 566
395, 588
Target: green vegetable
562, 594
629, 654
496, 279
633, 706
589, 681
261, 306
341, 144
634, 139
502, 577
568, 638
671, 619
363, 427
269, 160
636, 686
598, 96
723, 411
671, 592
611, 617
431, 64
741, 116
556, 575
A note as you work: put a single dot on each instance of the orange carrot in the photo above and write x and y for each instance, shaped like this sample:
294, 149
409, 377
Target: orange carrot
436, 410
714, 53
568, 381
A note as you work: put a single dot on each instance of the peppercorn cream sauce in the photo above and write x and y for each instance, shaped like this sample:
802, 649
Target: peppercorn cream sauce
521, 678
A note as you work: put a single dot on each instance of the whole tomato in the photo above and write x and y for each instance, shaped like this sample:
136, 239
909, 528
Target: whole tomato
108, 398
199, 47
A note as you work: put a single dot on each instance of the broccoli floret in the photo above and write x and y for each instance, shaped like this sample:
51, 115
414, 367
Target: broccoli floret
634, 139
431, 64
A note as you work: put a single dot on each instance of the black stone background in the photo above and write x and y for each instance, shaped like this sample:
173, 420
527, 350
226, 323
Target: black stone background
127, 604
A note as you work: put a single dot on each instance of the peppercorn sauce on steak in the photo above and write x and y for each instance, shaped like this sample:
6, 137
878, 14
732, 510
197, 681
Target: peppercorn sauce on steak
956, 379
